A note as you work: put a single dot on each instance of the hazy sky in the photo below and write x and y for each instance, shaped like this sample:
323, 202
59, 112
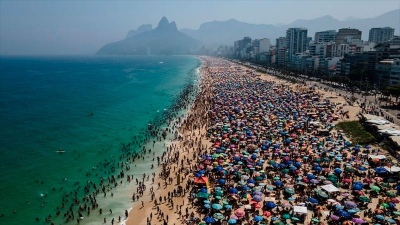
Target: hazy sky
82, 27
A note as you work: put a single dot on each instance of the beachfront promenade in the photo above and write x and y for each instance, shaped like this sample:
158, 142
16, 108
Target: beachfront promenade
258, 150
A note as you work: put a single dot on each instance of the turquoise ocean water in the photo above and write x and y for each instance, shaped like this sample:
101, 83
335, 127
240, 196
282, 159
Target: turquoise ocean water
88, 106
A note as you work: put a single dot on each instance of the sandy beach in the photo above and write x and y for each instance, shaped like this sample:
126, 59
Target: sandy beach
206, 146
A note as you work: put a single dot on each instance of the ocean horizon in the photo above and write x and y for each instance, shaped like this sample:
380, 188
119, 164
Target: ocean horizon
64, 120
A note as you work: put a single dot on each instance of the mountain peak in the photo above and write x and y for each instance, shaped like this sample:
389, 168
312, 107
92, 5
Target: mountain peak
164, 40
164, 23
172, 26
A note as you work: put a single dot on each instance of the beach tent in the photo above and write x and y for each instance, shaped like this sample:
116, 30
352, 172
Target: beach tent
300, 209
201, 180
330, 188
377, 156
393, 169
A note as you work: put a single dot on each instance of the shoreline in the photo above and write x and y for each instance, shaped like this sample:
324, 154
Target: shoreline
141, 213
194, 142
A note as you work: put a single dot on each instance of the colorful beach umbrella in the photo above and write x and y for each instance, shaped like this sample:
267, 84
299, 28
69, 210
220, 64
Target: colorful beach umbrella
216, 207
218, 216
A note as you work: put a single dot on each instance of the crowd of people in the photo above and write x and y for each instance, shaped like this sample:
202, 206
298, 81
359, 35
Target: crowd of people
277, 159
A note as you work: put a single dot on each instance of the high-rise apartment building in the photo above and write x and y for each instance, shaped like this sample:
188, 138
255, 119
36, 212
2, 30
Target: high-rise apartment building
380, 34
264, 45
325, 36
280, 51
296, 42
347, 32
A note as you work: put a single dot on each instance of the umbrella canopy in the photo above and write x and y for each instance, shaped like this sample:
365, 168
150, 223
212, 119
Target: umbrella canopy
278, 222
358, 220
321, 193
391, 194
350, 204
313, 200
231, 221
228, 207
203, 195
233, 190
380, 217
334, 217
337, 171
289, 190
380, 170
363, 199
218, 216
358, 186
343, 213
257, 193
216, 207
314, 181
270, 205
375, 188
295, 219
221, 181
286, 216
218, 193
390, 220
395, 200
240, 212
385, 205
257, 198
278, 183
315, 220
257, 218
209, 219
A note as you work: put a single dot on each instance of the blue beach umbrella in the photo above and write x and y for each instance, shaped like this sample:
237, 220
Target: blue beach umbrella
361, 168
204, 190
380, 217
209, 219
228, 207
251, 181
343, 213
310, 176
358, 186
270, 205
257, 218
352, 211
339, 207
233, 190
337, 171
313, 200
221, 181
318, 168
245, 188
380, 170
219, 168
390, 220
278, 183
231, 221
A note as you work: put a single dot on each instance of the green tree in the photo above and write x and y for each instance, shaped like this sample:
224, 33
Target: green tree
393, 90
